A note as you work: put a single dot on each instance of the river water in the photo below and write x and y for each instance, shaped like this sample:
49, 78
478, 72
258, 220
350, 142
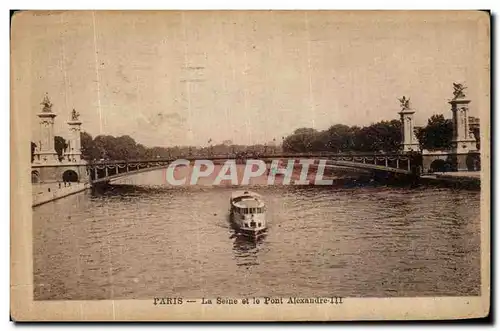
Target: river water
143, 238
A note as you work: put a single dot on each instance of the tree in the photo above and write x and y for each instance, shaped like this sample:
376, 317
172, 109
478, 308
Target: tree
125, 148
302, 140
382, 136
141, 152
438, 133
389, 135
89, 149
60, 145
339, 138
105, 145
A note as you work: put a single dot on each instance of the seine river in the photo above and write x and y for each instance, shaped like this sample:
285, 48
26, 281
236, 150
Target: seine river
143, 238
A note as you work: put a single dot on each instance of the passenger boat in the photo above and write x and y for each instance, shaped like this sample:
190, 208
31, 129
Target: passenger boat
248, 213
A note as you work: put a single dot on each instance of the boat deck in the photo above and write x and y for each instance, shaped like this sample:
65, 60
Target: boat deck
246, 199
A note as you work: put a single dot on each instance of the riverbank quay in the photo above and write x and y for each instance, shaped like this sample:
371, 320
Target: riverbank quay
46, 192
460, 179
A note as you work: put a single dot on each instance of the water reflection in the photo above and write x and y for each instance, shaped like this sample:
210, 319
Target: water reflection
246, 249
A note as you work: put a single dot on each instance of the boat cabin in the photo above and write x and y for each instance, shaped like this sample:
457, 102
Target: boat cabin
247, 203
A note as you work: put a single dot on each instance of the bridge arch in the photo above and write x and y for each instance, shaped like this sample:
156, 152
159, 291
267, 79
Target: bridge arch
35, 176
440, 165
390, 163
70, 176
473, 161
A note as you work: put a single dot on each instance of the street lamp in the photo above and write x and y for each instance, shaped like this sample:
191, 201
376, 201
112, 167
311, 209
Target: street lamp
210, 149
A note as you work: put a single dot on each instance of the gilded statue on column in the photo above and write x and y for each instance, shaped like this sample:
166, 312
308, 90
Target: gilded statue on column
47, 105
74, 115
458, 91
405, 103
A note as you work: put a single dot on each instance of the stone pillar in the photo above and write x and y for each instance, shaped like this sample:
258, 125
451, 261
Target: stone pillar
45, 152
73, 152
410, 142
463, 140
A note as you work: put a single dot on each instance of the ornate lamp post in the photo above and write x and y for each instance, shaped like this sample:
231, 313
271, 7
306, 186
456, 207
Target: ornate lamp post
210, 148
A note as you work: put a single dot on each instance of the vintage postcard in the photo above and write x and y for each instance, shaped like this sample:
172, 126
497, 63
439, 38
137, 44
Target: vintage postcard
250, 165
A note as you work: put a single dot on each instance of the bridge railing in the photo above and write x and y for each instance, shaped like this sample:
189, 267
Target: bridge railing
251, 156
398, 162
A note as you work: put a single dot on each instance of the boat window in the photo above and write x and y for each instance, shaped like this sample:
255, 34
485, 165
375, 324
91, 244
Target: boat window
260, 224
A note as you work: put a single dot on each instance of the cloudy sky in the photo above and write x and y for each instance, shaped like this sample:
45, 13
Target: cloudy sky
174, 78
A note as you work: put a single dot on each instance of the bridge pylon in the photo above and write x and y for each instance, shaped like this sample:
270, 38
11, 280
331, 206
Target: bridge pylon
410, 142
463, 141
46, 166
45, 152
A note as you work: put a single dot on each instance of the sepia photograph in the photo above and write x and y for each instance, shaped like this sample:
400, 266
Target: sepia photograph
263, 165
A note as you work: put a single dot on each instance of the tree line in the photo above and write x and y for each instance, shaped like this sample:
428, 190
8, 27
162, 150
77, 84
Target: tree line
383, 136
107, 147
438, 134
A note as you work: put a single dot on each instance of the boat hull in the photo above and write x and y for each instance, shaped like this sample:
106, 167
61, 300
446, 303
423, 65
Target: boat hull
252, 233
236, 223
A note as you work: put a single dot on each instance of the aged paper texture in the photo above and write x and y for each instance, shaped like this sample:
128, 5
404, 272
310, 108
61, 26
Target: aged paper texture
250, 165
